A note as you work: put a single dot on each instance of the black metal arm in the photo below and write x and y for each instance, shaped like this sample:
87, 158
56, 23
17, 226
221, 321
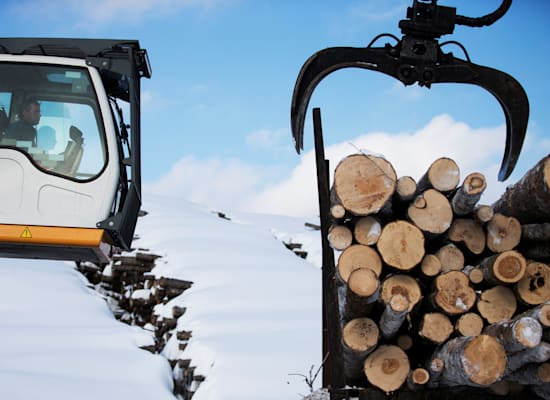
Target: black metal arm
418, 58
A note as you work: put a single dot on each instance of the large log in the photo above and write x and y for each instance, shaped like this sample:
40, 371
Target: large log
516, 335
497, 304
472, 361
362, 290
453, 293
358, 256
528, 199
469, 232
435, 327
367, 230
467, 195
360, 337
443, 175
364, 183
506, 267
387, 368
431, 212
503, 233
534, 287
393, 316
401, 245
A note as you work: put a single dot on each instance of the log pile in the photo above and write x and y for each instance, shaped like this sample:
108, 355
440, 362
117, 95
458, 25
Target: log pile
436, 290
132, 292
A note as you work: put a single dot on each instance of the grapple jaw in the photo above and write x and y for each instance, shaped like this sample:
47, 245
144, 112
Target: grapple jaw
418, 58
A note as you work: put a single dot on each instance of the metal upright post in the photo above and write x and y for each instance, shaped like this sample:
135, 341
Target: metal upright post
333, 368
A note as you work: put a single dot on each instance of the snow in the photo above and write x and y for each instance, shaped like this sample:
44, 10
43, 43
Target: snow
254, 311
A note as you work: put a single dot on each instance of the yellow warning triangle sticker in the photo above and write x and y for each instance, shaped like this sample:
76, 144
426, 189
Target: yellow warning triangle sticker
26, 234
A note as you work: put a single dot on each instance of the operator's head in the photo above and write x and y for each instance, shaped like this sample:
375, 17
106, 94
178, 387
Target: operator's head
30, 111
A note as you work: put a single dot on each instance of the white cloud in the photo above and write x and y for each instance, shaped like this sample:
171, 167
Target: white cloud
265, 139
234, 185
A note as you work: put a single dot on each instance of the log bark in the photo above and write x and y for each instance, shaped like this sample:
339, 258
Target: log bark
471, 361
362, 290
474, 273
367, 230
360, 337
401, 284
453, 293
534, 287
535, 232
467, 195
451, 258
516, 335
443, 175
528, 199
435, 367
401, 245
536, 250
340, 237
435, 327
358, 256
431, 265
431, 212
537, 354
387, 368
394, 315
469, 324
506, 267
497, 304
532, 374
483, 213
364, 183
470, 233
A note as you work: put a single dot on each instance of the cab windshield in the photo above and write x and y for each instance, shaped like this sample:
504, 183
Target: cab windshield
51, 114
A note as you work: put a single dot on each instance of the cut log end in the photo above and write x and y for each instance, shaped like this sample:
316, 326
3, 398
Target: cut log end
401, 245
364, 183
363, 282
358, 256
443, 175
534, 287
340, 237
360, 335
470, 233
435, 327
367, 230
400, 284
497, 304
484, 360
431, 265
387, 368
453, 293
503, 233
469, 324
431, 212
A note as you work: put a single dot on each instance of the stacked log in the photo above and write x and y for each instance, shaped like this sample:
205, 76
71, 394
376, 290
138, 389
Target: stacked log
439, 290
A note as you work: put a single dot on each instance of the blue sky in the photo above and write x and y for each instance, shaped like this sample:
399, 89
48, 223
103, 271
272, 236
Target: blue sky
216, 120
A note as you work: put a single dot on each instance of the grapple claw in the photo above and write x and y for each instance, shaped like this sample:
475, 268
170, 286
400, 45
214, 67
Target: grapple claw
418, 58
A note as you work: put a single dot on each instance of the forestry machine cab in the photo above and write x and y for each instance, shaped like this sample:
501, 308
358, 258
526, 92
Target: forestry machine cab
69, 160
418, 57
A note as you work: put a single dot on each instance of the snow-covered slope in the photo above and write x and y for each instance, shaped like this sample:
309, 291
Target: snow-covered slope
254, 311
